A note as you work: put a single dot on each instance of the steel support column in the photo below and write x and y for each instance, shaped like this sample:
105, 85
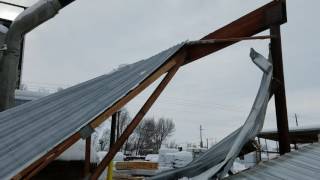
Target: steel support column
118, 124
137, 119
87, 157
113, 129
280, 94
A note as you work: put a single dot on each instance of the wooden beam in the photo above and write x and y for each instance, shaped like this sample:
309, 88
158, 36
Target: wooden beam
137, 119
131, 165
253, 23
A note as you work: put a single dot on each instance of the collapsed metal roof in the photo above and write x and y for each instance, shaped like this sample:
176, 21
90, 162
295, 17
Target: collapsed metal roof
30, 130
217, 161
269, 16
300, 164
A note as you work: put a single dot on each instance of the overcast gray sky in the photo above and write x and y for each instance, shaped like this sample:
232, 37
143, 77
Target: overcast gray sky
90, 38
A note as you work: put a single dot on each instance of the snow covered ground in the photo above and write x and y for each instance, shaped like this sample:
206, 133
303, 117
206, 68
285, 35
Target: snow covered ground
152, 157
77, 150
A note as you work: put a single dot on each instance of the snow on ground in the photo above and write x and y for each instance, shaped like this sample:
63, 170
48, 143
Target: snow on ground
237, 167
152, 157
77, 150
118, 157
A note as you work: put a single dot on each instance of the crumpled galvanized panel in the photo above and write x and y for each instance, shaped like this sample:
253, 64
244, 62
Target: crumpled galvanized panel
217, 161
301, 164
30, 130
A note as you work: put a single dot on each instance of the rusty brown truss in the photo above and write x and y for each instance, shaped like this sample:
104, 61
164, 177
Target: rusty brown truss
269, 16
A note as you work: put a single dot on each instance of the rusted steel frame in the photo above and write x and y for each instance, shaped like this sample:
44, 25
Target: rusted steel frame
137, 119
236, 39
279, 92
95, 123
41, 163
87, 157
246, 26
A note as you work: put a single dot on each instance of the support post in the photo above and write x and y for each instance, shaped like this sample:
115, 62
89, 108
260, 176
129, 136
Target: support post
112, 139
87, 157
259, 150
279, 94
113, 129
118, 124
136, 120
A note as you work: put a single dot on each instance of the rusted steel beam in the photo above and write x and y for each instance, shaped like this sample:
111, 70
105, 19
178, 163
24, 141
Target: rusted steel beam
279, 92
246, 26
236, 39
87, 159
137, 119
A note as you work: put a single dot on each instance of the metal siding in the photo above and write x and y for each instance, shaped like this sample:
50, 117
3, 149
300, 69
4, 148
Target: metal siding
30, 130
301, 164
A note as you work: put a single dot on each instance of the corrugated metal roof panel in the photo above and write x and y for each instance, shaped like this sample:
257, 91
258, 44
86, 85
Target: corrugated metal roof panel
30, 130
300, 164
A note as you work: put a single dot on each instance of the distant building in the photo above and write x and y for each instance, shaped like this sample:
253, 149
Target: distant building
23, 96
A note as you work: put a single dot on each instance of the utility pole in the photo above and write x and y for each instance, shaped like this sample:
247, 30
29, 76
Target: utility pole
201, 142
295, 115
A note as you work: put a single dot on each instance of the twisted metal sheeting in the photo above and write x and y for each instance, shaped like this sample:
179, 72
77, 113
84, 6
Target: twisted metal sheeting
218, 160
